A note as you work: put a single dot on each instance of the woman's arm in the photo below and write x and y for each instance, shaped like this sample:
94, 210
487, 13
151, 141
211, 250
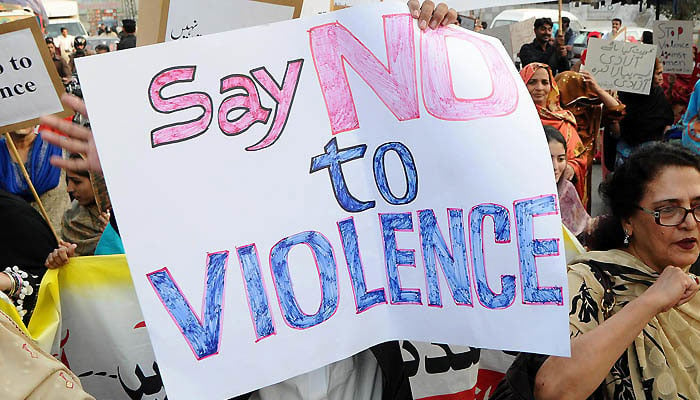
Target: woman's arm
595, 352
608, 100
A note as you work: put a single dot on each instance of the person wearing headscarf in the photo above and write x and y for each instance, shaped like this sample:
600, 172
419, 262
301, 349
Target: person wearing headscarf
83, 223
46, 178
647, 116
545, 94
582, 96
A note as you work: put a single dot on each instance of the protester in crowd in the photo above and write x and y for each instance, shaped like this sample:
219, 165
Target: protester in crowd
64, 41
25, 241
29, 371
484, 25
678, 87
64, 70
80, 44
644, 343
100, 29
573, 214
545, 94
616, 25
109, 32
542, 51
648, 37
590, 104
83, 223
569, 34
48, 180
101, 49
689, 123
647, 116
128, 39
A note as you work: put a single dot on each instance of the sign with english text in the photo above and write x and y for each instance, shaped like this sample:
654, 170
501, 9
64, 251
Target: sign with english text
675, 42
624, 66
29, 82
290, 205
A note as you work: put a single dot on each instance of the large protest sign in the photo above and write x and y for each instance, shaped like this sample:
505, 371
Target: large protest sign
675, 41
623, 66
29, 83
277, 220
188, 19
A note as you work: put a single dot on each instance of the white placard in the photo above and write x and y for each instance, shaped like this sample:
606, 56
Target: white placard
188, 19
675, 42
28, 89
623, 66
225, 196
514, 36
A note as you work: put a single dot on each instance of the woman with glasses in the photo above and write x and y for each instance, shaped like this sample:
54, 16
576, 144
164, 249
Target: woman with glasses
634, 318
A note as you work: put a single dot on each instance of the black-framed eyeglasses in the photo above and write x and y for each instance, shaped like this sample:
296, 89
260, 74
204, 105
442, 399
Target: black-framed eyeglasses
672, 215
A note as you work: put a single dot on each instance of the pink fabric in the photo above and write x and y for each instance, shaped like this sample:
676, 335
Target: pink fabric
573, 215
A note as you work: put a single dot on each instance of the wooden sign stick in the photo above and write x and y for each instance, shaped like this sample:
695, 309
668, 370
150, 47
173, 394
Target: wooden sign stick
15, 153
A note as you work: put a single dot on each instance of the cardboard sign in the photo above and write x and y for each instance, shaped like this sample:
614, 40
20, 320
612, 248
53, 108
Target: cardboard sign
514, 36
29, 83
675, 42
188, 19
623, 66
294, 204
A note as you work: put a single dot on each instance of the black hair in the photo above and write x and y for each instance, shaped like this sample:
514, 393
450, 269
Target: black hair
553, 135
565, 20
102, 47
484, 24
63, 28
648, 37
83, 173
543, 21
618, 20
623, 189
48, 40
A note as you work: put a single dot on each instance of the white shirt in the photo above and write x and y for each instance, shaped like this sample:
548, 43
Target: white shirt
64, 43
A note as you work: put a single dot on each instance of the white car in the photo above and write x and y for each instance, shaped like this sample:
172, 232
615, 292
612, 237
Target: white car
508, 17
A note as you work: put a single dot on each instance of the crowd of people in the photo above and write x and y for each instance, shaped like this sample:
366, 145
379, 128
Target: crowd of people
634, 320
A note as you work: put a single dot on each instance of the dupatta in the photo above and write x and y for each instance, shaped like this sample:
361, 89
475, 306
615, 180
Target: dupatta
554, 115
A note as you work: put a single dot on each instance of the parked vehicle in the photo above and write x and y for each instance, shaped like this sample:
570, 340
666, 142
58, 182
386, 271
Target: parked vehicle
63, 14
508, 17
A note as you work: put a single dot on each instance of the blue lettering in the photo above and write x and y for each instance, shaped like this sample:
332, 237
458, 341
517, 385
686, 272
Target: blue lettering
257, 298
327, 270
203, 337
409, 169
332, 160
454, 265
529, 248
501, 229
363, 299
394, 257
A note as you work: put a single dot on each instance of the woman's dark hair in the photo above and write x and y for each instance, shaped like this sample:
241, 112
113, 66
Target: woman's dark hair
623, 189
553, 135
83, 173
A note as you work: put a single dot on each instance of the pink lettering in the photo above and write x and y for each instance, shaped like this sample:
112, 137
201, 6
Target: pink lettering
282, 95
179, 131
395, 84
254, 111
438, 92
